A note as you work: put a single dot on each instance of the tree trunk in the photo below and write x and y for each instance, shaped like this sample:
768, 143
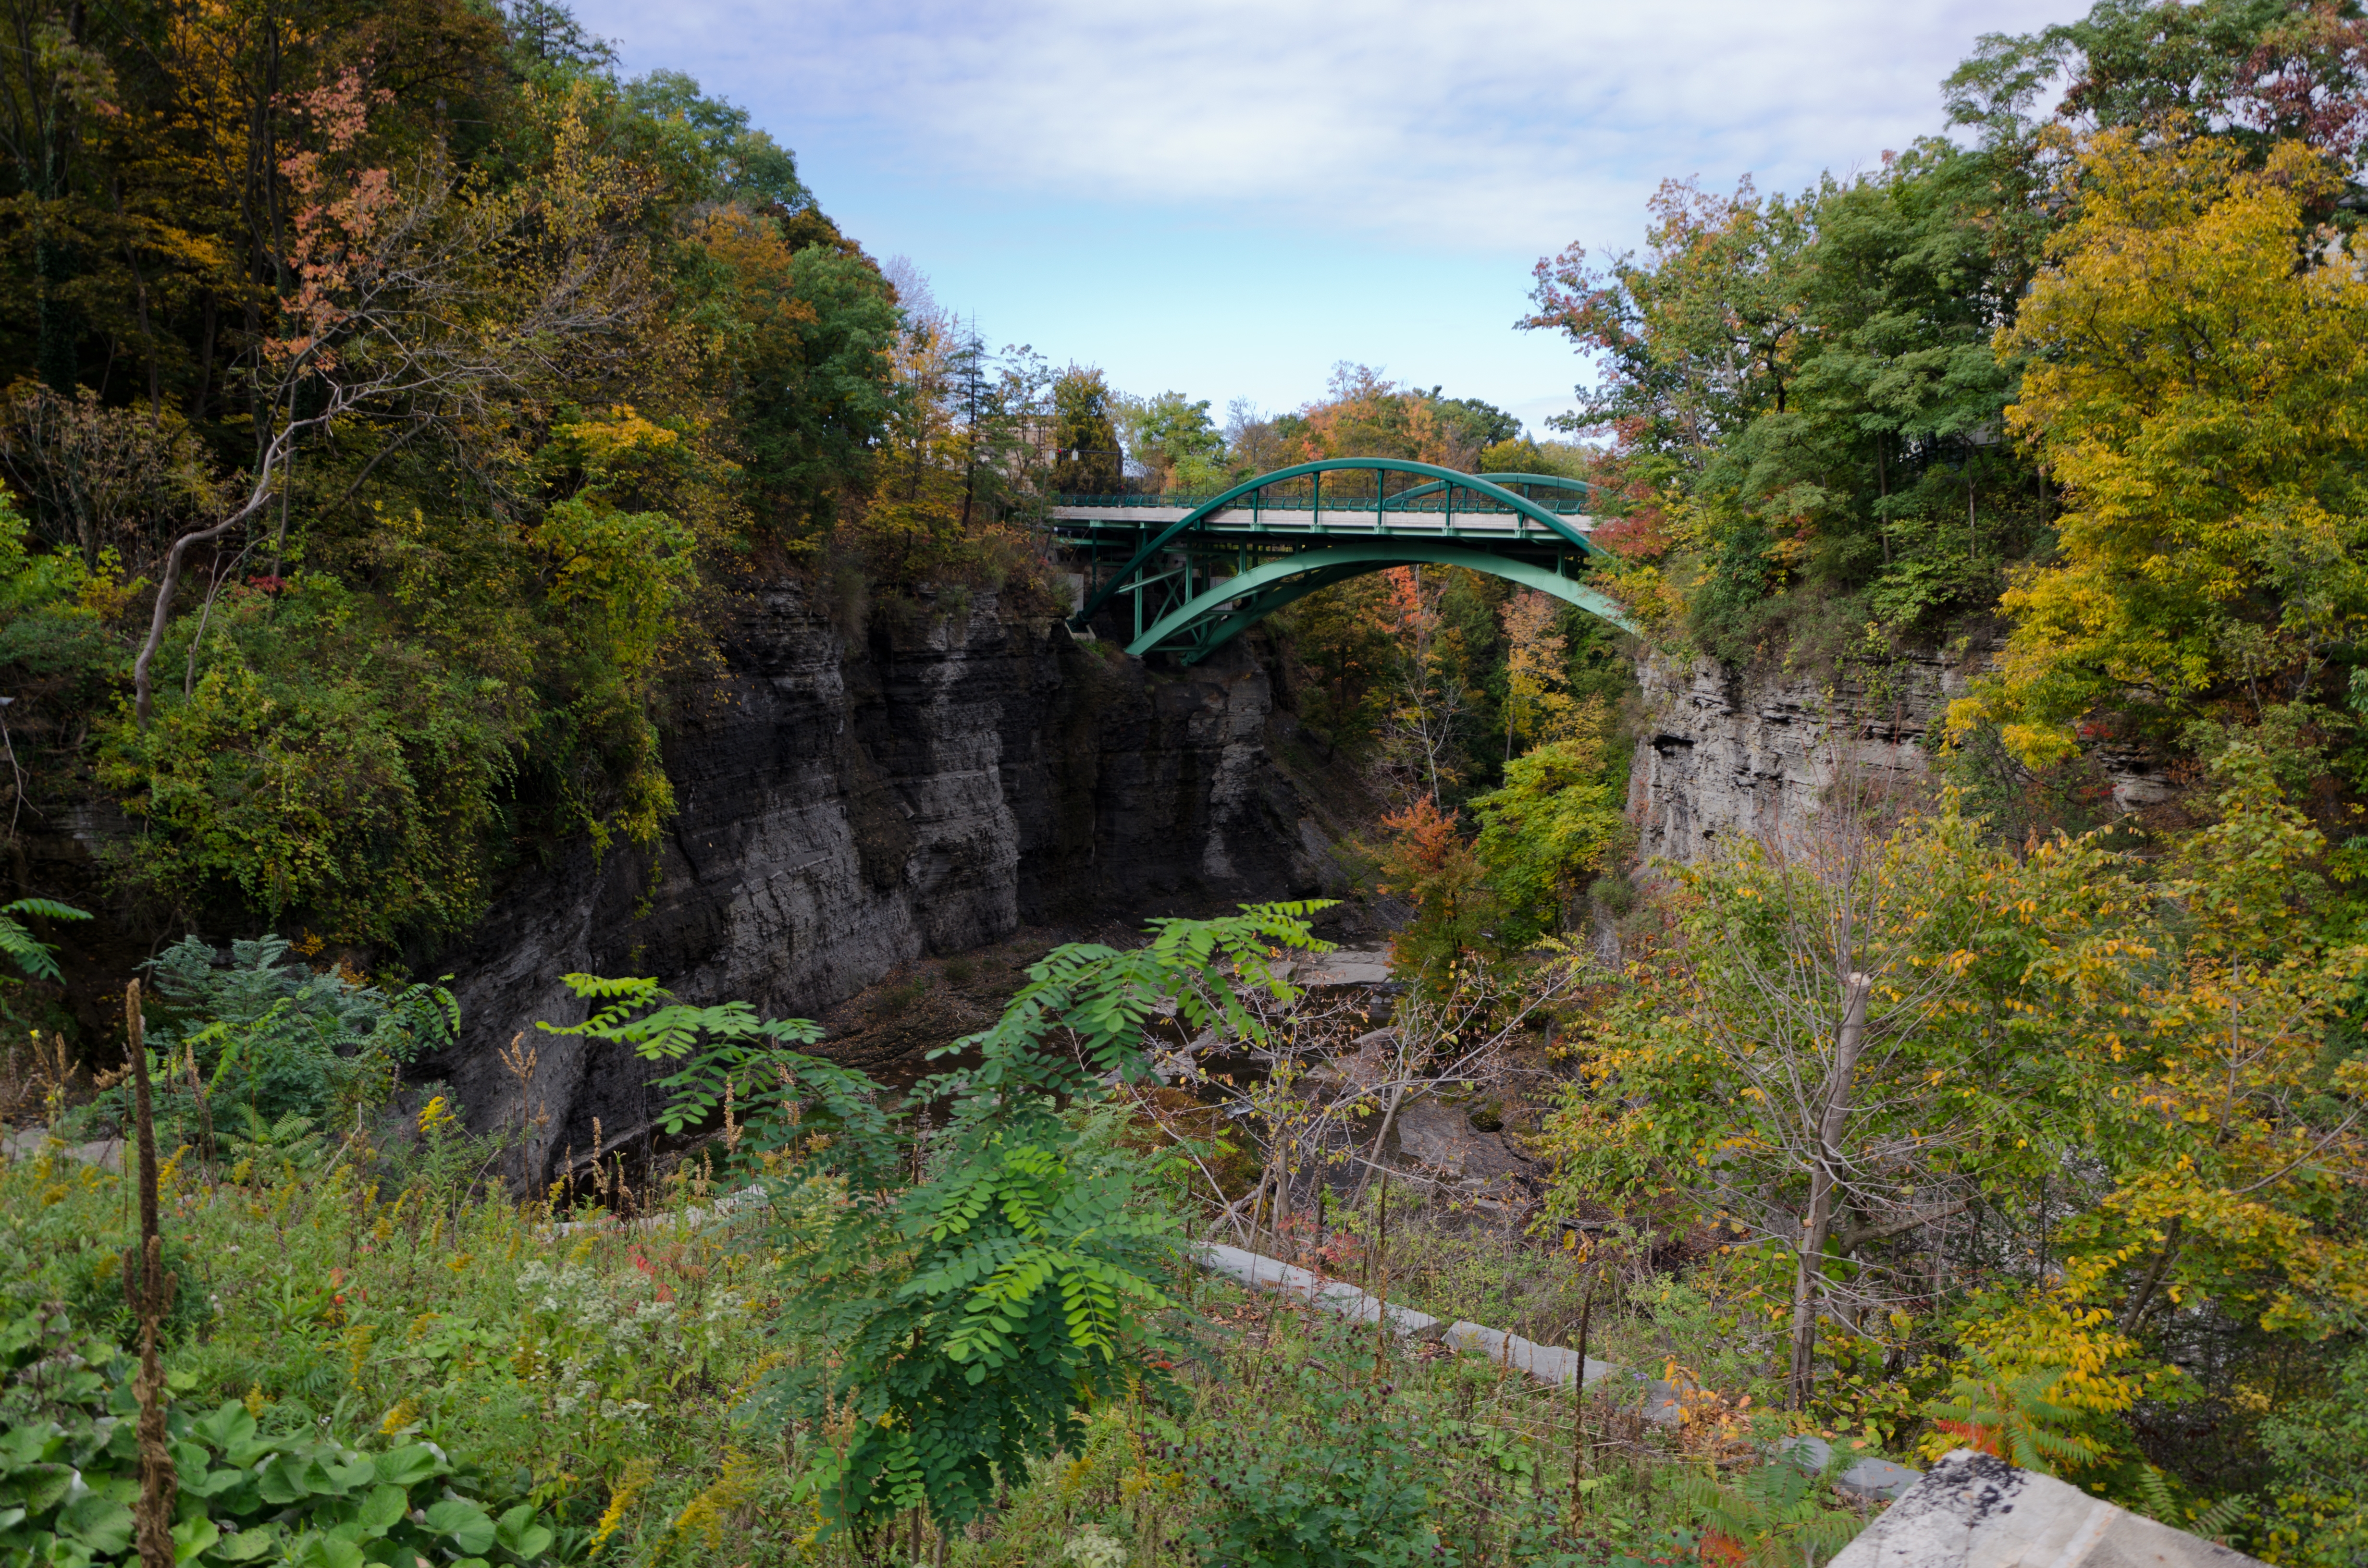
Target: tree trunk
1809, 1275
2142, 1293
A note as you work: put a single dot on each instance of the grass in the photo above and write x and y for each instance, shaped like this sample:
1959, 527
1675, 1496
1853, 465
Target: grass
607, 1366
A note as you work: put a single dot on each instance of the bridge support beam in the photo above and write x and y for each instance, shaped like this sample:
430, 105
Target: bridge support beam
1205, 622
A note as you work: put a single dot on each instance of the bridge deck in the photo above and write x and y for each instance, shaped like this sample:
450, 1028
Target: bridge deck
1341, 519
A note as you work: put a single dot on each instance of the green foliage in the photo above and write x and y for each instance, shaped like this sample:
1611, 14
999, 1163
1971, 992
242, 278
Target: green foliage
1774, 1513
1091, 461
320, 767
720, 152
1834, 459
35, 957
2316, 1509
1173, 435
1475, 424
588, 342
805, 327
70, 1469
275, 1039
2015, 1417
977, 1310
638, 1014
1543, 835
1334, 1478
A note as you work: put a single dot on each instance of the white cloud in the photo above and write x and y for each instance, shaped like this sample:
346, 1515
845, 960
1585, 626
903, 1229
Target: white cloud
1486, 123
1228, 195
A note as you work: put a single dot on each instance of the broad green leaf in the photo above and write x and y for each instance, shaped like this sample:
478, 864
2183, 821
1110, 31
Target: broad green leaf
247, 1545
226, 1428
325, 1551
96, 1522
518, 1533
381, 1509
192, 1536
39, 1486
281, 1481
410, 1465
212, 1483
361, 1470
470, 1529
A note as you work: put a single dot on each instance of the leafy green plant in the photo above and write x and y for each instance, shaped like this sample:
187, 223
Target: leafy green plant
1343, 1484
972, 1311
736, 1050
70, 1470
2014, 1419
277, 1037
20, 946
1774, 1513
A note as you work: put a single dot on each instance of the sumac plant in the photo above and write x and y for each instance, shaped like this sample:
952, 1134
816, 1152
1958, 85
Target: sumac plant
976, 1295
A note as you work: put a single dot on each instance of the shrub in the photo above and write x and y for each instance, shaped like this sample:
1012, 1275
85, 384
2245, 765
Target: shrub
276, 1038
1340, 1481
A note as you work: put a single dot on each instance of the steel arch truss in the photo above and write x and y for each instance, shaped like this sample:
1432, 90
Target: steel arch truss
1205, 622
1284, 535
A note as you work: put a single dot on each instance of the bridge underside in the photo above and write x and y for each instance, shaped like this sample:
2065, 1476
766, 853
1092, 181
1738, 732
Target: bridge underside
1193, 625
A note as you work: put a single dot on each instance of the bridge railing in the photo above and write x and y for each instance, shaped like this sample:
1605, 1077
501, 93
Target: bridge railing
1337, 497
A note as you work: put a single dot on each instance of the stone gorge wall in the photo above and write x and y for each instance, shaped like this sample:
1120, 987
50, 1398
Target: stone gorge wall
844, 811
1728, 754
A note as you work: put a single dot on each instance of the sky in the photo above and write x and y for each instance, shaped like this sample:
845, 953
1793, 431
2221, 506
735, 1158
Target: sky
1227, 199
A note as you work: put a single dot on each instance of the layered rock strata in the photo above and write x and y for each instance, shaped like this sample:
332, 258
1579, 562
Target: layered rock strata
845, 809
1727, 753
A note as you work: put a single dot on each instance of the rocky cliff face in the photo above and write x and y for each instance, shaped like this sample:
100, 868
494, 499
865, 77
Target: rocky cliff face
845, 809
1728, 754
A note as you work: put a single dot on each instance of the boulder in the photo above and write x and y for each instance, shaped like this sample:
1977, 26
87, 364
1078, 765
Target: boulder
1439, 1139
1973, 1510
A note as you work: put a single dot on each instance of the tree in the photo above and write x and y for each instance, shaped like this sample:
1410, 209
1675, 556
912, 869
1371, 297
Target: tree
1174, 436
1430, 691
2232, 1130
1427, 861
805, 333
392, 317
1537, 697
1548, 829
1341, 634
1086, 458
1477, 424
1844, 1047
2198, 360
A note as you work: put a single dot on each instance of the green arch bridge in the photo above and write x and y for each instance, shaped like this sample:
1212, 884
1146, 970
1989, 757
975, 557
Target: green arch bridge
1196, 576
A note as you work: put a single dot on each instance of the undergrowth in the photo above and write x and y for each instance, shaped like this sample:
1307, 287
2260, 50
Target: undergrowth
602, 1369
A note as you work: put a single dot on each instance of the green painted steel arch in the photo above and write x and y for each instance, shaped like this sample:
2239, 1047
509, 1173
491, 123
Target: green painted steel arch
1542, 480
1445, 477
1269, 587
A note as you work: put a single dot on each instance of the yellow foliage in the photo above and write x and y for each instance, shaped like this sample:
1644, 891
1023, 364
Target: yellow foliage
708, 1512
636, 1480
2045, 1334
2198, 383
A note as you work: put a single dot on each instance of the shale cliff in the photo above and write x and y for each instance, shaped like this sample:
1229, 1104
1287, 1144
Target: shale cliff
845, 809
1727, 753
